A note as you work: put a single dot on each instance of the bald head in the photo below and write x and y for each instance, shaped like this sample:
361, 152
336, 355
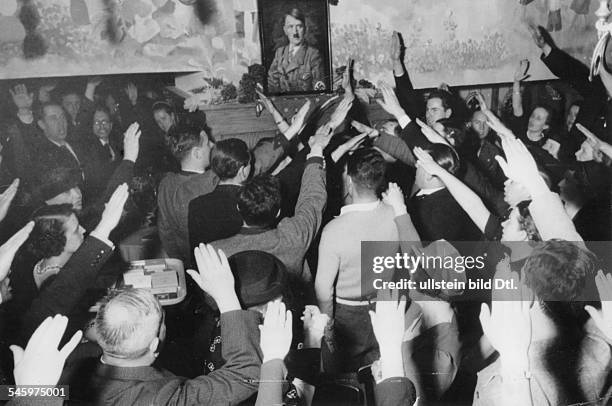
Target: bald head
127, 323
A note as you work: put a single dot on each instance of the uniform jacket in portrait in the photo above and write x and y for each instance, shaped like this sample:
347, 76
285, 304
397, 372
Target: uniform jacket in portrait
296, 73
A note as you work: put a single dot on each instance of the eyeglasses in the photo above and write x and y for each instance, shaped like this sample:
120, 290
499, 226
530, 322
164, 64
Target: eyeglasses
102, 122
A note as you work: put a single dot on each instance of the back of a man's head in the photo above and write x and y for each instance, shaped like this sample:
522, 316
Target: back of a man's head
559, 272
228, 156
259, 201
366, 168
445, 156
127, 322
183, 138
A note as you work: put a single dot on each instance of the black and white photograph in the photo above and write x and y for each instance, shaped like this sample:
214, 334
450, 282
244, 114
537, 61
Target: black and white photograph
295, 46
306, 202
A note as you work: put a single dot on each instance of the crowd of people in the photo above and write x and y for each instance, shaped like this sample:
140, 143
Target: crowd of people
280, 306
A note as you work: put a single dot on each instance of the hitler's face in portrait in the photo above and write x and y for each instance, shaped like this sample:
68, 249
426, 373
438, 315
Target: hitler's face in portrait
295, 30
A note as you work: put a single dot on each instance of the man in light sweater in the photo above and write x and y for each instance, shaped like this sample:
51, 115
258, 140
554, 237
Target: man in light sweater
363, 218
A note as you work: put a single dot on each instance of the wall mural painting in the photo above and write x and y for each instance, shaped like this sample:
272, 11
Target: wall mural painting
446, 41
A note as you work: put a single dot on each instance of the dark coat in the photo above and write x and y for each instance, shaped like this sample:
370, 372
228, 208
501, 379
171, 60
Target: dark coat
229, 385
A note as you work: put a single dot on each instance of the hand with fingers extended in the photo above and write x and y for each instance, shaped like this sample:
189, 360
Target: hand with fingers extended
320, 140
44, 92
603, 317
340, 113
112, 212
390, 102
10, 248
349, 146
131, 142
496, 125
315, 323
425, 161
21, 97
347, 80
362, 128
6, 198
394, 197
215, 277
388, 323
522, 71
481, 101
592, 139
431, 134
265, 100
41, 363
276, 332
298, 120
520, 166
132, 93
507, 323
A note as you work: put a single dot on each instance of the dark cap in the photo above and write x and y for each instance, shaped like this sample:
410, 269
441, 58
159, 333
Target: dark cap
438, 272
260, 277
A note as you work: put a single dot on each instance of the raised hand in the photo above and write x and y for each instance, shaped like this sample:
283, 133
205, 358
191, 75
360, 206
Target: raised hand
591, 137
131, 142
350, 145
132, 93
347, 80
320, 140
21, 97
276, 332
496, 125
520, 166
390, 102
298, 120
425, 161
41, 363
396, 47
537, 36
112, 211
431, 134
481, 101
362, 128
338, 116
9, 249
388, 321
6, 198
265, 100
603, 317
215, 277
44, 92
395, 198
507, 324
522, 70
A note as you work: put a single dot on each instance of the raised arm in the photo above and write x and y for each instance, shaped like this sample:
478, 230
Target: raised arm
467, 199
519, 76
546, 207
81, 270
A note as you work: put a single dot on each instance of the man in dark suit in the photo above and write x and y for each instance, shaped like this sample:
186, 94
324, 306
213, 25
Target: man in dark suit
53, 151
130, 328
102, 154
215, 216
435, 213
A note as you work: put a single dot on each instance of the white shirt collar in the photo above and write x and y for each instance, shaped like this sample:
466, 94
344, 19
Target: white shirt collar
427, 192
359, 207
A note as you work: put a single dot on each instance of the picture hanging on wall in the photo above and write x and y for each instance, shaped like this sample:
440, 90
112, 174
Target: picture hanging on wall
295, 46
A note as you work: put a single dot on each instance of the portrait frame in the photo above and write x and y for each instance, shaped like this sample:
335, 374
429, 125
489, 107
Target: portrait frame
310, 70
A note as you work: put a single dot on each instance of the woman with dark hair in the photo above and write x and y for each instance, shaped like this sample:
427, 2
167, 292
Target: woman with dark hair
68, 264
535, 130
